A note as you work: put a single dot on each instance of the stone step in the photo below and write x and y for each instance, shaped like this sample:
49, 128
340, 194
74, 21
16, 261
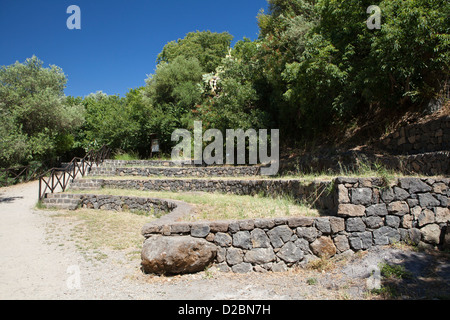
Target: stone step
164, 210
61, 202
84, 184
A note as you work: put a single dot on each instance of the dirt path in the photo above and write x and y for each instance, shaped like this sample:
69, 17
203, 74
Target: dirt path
38, 260
29, 269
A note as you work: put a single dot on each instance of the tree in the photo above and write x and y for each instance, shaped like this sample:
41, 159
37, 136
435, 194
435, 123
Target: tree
35, 112
175, 87
207, 47
109, 121
284, 35
234, 103
13, 143
324, 66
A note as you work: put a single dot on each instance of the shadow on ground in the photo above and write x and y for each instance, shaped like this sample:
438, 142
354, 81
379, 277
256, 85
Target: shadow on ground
417, 275
9, 199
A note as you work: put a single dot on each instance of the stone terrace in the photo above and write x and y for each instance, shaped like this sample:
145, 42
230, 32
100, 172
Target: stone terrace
360, 213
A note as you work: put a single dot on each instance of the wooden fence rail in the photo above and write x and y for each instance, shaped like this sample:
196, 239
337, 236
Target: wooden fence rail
10, 176
56, 178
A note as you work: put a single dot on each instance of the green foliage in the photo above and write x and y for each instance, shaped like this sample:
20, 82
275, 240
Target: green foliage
315, 65
126, 156
324, 66
413, 47
207, 47
170, 95
394, 271
107, 121
125, 124
235, 104
13, 143
175, 86
36, 118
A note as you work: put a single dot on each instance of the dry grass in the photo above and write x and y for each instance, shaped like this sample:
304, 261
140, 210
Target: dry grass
96, 232
306, 178
218, 206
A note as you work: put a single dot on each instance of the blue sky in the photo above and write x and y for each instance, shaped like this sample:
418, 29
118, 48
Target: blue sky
119, 40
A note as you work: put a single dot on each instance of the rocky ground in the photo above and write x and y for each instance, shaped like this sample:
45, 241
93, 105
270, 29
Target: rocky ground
39, 263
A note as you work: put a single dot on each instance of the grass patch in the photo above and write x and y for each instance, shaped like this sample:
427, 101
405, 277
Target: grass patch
306, 179
218, 206
126, 156
364, 169
392, 276
129, 156
394, 271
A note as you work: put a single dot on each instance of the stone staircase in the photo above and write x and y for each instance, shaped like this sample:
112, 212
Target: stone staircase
62, 201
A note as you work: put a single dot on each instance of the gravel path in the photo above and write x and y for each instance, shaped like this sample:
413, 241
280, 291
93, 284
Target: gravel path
38, 260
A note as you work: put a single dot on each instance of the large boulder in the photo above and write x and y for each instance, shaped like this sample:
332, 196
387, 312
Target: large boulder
176, 255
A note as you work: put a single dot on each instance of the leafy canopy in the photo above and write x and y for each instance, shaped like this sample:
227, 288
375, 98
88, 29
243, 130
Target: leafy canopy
207, 47
36, 121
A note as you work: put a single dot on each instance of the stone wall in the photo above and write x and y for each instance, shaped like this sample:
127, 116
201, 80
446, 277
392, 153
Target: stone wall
433, 135
412, 208
315, 191
147, 163
368, 213
177, 172
429, 164
156, 207
420, 148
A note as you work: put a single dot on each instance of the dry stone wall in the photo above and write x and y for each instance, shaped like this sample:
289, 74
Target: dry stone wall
156, 207
308, 191
420, 148
368, 213
425, 137
177, 172
147, 163
362, 213
428, 164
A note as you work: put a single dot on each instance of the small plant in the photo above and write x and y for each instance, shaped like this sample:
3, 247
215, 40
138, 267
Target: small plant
330, 187
384, 174
209, 274
126, 156
394, 271
40, 205
311, 281
387, 292
391, 273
